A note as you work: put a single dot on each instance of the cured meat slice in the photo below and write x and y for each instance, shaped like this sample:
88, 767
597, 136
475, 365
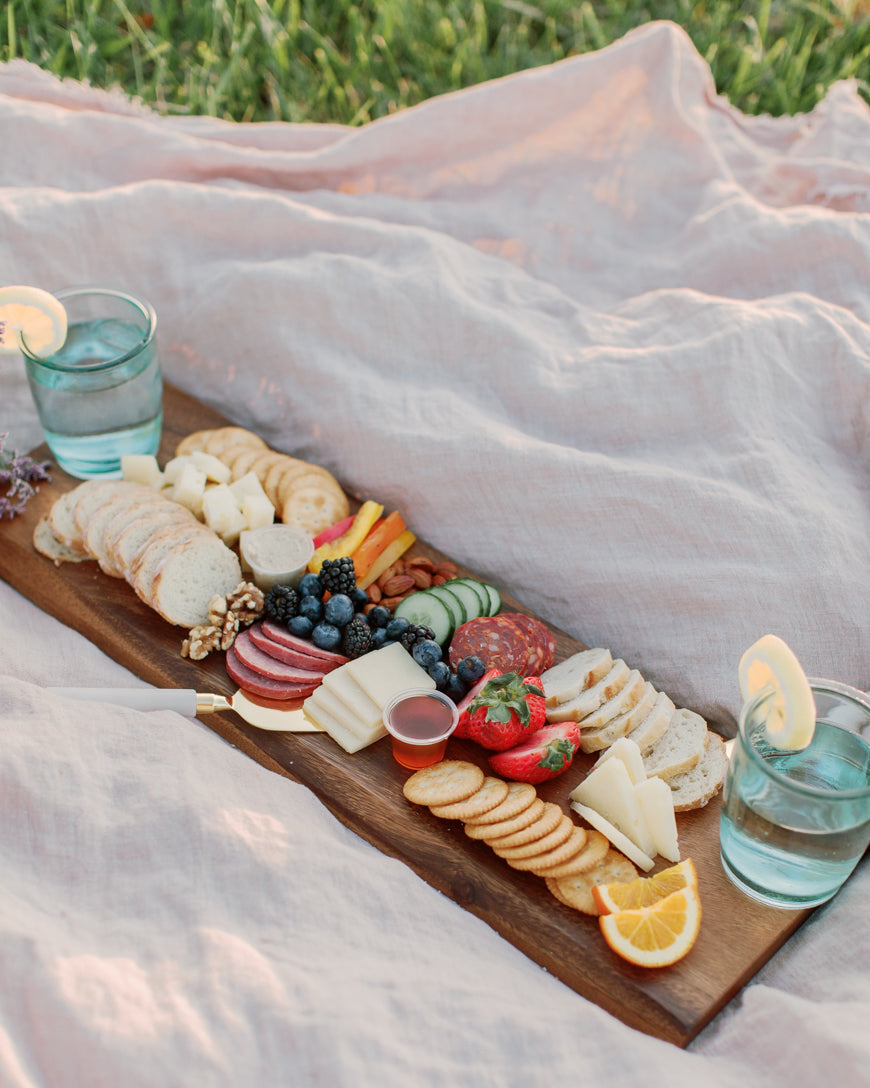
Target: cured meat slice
270, 667
256, 684
281, 635
541, 642
497, 640
289, 654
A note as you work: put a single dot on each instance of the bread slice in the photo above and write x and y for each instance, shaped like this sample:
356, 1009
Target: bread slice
628, 696
141, 574
596, 740
126, 540
190, 575
590, 699
130, 498
91, 496
655, 724
566, 680
61, 520
46, 543
699, 785
679, 749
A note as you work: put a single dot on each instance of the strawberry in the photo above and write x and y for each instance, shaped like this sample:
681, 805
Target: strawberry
461, 729
506, 709
543, 755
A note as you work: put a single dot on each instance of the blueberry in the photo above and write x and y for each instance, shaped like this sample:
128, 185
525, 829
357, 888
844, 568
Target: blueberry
326, 635
311, 608
396, 627
426, 652
310, 586
338, 610
380, 616
360, 598
456, 687
471, 669
440, 673
300, 626
379, 637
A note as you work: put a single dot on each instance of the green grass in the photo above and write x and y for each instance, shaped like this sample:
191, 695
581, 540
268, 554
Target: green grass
336, 61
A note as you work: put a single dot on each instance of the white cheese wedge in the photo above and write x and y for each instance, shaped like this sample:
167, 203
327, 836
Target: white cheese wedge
657, 804
384, 673
626, 750
616, 837
609, 790
343, 686
141, 468
212, 466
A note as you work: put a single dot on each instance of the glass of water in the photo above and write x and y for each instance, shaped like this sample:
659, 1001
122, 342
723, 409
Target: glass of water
101, 394
794, 824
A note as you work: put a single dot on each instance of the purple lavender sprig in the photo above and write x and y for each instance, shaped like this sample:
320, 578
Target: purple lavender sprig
20, 472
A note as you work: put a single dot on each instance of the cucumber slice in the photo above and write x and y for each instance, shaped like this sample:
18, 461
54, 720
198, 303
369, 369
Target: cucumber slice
494, 599
425, 608
471, 599
477, 587
452, 603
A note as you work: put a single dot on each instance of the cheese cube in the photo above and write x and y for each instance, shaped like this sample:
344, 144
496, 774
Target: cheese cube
141, 468
174, 468
257, 511
249, 484
657, 804
221, 513
212, 466
189, 489
608, 790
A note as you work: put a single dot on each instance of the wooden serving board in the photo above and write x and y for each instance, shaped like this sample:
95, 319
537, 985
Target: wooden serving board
364, 791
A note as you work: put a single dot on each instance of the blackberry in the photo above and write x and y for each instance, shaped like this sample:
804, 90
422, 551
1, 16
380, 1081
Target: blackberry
415, 632
281, 604
338, 575
357, 638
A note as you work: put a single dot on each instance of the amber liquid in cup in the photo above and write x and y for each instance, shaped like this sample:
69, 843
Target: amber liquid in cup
420, 723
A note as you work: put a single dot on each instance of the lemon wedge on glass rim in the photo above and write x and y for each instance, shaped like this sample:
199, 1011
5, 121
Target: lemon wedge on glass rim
771, 663
32, 316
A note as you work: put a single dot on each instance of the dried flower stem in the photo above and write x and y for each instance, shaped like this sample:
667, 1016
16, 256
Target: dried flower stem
20, 472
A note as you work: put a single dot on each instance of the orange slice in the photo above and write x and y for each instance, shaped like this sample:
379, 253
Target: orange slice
657, 935
645, 890
32, 315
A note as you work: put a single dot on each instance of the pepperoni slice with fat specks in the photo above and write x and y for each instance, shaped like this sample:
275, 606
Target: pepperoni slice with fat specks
497, 640
541, 642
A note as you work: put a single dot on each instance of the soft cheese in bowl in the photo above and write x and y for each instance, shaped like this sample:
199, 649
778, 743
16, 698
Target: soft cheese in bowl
276, 554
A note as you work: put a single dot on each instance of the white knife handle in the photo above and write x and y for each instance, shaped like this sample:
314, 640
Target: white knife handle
181, 700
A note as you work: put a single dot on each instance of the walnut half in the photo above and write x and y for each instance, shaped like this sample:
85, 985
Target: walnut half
247, 602
201, 641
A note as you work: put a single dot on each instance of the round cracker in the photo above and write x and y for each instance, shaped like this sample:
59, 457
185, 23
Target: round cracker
547, 821
576, 891
193, 443
556, 856
590, 854
443, 783
490, 832
287, 466
491, 793
519, 796
242, 462
314, 509
308, 476
223, 437
543, 845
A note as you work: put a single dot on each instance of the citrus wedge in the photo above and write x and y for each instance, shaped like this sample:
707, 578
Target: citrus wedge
32, 315
770, 662
645, 890
657, 935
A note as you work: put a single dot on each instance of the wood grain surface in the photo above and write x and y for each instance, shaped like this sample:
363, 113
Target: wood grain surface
364, 791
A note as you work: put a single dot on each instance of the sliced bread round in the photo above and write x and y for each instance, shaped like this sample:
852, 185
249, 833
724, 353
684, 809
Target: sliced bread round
190, 576
699, 785
566, 680
590, 699
679, 749
596, 740
655, 724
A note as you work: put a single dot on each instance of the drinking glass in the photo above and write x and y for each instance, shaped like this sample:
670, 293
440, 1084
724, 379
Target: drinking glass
794, 824
101, 394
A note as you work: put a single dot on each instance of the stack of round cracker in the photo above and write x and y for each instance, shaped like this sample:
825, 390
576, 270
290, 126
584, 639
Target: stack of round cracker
302, 493
530, 834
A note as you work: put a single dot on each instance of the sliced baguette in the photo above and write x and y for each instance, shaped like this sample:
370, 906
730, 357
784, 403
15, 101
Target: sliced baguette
699, 785
46, 543
679, 749
628, 696
582, 670
590, 699
60, 519
596, 740
655, 724
190, 575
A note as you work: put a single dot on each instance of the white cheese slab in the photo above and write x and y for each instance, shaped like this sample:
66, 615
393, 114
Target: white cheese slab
609, 790
616, 837
385, 672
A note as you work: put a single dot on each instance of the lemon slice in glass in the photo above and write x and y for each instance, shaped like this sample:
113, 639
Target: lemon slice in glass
771, 663
32, 315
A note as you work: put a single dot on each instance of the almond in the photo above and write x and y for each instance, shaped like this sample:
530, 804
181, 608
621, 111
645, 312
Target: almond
389, 573
398, 585
391, 602
422, 578
421, 562
374, 592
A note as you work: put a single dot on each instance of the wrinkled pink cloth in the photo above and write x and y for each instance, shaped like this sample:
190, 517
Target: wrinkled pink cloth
598, 335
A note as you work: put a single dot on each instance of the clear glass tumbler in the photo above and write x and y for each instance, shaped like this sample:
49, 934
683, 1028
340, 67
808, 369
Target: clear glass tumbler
794, 824
101, 394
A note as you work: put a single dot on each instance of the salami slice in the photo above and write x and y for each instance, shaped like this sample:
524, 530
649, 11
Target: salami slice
270, 667
496, 640
541, 642
257, 684
280, 634
290, 655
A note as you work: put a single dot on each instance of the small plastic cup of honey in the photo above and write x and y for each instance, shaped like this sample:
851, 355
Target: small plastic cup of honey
420, 722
